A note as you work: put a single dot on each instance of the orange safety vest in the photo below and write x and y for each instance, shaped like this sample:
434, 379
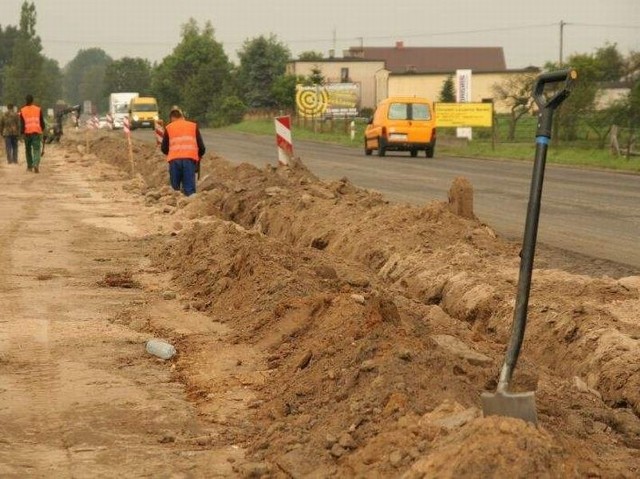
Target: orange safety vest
31, 117
182, 140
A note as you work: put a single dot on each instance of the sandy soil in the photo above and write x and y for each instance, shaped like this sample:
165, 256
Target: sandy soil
321, 331
79, 397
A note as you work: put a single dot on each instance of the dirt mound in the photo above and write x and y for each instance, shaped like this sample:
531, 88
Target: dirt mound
376, 326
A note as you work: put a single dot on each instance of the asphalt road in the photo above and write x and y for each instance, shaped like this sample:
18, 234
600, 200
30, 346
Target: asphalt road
588, 212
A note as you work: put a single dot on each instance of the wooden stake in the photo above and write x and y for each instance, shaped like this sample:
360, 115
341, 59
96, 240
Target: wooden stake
131, 156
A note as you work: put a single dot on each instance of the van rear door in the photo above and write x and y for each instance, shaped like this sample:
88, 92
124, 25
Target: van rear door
410, 122
421, 121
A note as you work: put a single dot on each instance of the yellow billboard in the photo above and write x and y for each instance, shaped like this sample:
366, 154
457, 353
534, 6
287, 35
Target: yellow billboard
464, 114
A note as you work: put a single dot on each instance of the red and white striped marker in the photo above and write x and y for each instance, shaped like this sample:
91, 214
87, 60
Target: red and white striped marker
110, 121
283, 139
158, 128
125, 126
93, 123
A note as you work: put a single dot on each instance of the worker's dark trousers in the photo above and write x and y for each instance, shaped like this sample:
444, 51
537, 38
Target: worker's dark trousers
33, 145
182, 174
11, 145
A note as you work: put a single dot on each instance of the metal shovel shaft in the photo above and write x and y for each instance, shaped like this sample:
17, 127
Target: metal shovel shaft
503, 402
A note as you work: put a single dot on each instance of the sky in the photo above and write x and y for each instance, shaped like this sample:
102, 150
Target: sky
527, 30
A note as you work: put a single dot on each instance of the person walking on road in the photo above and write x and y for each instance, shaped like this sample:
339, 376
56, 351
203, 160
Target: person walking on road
10, 130
31, 126
183, 145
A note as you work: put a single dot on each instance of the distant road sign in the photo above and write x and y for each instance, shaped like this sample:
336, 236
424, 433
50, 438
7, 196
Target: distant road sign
464, 115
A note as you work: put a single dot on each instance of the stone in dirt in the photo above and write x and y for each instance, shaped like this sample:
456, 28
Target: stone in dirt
461, 198
458, 348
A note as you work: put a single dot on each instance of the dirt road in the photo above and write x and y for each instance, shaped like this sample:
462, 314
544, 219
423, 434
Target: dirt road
79, 397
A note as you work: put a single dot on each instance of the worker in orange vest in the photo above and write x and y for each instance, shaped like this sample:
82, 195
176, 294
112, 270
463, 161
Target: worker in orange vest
183, 145
32, 126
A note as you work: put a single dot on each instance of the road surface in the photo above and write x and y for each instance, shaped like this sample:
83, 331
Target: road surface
587, 212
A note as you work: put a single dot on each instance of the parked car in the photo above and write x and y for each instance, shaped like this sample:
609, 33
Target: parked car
402, 124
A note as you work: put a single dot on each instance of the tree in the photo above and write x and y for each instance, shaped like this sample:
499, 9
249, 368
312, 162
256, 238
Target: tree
315, 77
128, 74
262, 61
52, 86
195, 75
515, 92
8, 38
84, 77
28, 71
448, 92
582, 100
610, 63
283, 91
310, 56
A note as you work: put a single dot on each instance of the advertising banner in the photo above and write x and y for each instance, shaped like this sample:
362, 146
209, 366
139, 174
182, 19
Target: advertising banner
334, 100
464, 114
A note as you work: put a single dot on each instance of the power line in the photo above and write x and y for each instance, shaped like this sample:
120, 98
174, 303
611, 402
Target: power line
319, 40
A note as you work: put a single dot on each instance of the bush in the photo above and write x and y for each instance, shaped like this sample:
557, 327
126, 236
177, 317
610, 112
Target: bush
230, 111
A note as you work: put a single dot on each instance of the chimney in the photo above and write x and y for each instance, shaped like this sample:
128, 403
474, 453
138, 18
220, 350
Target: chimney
399, 44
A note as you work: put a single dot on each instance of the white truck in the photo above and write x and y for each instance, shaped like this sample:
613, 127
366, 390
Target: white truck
119, 106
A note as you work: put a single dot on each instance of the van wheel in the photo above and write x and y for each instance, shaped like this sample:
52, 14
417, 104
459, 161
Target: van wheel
429, 151
414, 153
367, 151
382, 148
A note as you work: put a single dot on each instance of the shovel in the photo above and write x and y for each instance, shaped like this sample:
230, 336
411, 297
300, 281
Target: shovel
503, 402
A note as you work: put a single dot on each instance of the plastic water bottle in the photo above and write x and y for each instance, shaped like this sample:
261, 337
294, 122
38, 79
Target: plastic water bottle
160, 348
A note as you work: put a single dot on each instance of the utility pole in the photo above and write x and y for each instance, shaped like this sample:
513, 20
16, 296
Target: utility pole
562, 24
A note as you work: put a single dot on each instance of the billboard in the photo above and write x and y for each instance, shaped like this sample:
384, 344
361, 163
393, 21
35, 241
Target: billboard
464, 114
334, 100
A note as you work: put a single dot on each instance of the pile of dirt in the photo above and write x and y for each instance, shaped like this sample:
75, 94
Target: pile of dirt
376, 326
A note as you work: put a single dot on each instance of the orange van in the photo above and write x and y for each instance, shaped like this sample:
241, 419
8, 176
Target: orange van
402, 124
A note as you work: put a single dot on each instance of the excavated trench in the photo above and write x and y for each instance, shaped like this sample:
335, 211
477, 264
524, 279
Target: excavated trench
403, 312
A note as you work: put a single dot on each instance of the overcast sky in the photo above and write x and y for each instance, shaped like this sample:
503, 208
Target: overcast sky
528, 30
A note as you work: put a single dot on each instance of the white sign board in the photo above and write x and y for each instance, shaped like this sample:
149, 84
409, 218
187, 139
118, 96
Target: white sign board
463, 95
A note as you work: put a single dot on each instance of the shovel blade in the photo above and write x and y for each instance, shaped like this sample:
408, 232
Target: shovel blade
518, 405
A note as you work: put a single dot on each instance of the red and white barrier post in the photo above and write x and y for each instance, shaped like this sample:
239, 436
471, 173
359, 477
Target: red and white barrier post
283, 139
127, 133
110, 121
158, 128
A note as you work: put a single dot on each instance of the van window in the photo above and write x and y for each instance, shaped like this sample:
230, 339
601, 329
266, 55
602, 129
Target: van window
398, 111
420, 111
144, 107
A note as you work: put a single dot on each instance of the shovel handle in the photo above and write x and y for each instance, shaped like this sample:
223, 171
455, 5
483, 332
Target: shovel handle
545, 121
546, 106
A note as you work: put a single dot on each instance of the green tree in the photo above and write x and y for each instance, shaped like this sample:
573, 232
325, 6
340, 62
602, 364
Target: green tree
582, 99
610, 63
128, 74
8, 37
84, 77
315, 77
52, 82
283, 91
310, 56
262, 61
195, 76
448, 92
26, 72
515, 92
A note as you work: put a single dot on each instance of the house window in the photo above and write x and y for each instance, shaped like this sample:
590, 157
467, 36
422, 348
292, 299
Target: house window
344, 75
